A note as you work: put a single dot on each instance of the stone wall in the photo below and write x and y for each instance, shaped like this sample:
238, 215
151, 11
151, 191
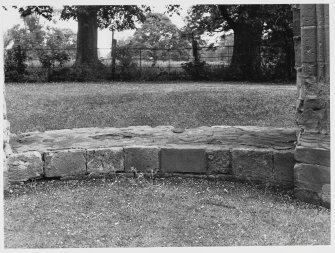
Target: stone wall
6, 147
254, 154
311, 36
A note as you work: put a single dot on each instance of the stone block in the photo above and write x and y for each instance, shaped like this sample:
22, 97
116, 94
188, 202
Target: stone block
309, 71
142, 158
311, 177
283, 168
325, 195
308, 14
64, 163
308, 44
310, 119
6, 131
105, 160
5, 172
253, 165
310, 155
183, 159
218, 161
7, 149
24, 166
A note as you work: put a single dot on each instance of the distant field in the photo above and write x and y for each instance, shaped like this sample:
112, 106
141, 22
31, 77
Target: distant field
48, 106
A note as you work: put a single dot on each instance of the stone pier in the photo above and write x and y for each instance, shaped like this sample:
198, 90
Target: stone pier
311, 36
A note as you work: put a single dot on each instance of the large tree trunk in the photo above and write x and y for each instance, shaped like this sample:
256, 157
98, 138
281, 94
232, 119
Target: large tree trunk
87, 39
246, 59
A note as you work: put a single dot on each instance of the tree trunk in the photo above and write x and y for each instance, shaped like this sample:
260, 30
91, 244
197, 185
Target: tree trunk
87, 39
246, 59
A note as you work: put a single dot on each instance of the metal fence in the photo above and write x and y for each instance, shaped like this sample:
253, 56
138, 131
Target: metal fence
140, 62
142, 57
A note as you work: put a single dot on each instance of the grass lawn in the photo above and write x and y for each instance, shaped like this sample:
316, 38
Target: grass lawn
126, 212
51, 106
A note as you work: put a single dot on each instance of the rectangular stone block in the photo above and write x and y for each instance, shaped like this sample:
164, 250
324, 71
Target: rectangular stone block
283, 168
311, 176
218, 161
308, 44
253, 165
105, 160
183, 159
5, 172
6, 131
64, 163
308, 14
311, 183
24, 166
325, 195
141, 158
310, 155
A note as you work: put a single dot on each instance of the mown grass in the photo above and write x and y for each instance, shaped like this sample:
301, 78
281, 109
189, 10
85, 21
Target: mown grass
171, 212
51, 106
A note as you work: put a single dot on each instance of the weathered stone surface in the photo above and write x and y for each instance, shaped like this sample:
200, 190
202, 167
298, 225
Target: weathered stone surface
283, 168
308, 44
141, 158
22, 167
314, 103
218, 161
183, 159
310, 119
314, 140
90, 138
307, 196
6, 131
308, 12
325, 195
311, 177
5, 172
64, 163
105, 160
309, 155
253, 165
7, 149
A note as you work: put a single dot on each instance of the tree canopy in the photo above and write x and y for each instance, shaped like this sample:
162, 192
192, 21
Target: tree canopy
161, 35
90, 18
249, 23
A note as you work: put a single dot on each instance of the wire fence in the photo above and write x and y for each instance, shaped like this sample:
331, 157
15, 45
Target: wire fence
123, 62
142, 57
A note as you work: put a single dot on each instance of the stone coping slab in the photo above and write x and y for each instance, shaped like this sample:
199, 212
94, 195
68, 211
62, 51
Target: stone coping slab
162, 136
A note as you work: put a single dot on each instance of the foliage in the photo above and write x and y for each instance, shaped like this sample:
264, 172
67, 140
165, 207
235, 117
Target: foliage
252, 25
113, 17
158, 32
49, 58
124, 56
197, 70
78, 74
15, 66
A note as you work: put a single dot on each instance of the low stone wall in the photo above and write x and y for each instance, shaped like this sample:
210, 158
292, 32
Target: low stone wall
255, 154
266, 166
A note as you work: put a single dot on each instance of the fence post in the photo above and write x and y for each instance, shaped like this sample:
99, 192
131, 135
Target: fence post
195, 49
140, 62
113, 58
169, 62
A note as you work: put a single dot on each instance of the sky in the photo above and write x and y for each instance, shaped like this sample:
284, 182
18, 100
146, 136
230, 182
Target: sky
11, 17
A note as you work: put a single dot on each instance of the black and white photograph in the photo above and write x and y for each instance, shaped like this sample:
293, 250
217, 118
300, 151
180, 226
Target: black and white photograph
164, 124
